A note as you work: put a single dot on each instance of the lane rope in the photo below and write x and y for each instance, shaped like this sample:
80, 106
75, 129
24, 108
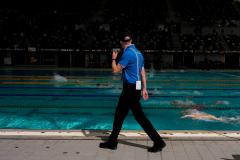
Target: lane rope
111, 107
180, 89
47, 79
66, 95
113, 76
104, 83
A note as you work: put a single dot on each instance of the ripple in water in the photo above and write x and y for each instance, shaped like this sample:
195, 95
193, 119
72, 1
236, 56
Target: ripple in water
59, 78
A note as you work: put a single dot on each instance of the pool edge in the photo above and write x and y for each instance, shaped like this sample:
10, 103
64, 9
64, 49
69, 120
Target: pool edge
123, 133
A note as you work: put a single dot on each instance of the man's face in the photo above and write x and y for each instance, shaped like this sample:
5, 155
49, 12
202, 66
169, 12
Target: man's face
121, 44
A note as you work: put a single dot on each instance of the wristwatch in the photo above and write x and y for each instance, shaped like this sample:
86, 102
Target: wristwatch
113, 59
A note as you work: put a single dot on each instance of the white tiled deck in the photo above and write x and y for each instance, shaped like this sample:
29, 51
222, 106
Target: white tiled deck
83, 145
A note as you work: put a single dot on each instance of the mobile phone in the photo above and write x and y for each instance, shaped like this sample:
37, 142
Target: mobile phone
116, 50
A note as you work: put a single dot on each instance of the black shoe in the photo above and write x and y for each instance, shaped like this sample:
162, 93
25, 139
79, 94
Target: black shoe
109, 145
157, 147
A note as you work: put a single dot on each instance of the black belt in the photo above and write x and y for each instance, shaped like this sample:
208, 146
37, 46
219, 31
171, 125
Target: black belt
129, 86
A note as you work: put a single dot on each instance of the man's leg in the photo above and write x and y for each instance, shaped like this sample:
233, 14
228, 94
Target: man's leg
147, 126
120, 114
145, 123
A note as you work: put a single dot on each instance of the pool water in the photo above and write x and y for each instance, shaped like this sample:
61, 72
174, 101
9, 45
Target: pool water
72, 100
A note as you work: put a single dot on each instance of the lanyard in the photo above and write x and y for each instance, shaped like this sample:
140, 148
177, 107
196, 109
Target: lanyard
137, 63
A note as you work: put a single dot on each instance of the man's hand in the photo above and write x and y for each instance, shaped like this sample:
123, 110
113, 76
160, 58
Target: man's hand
116, 68
114, 55
145, 95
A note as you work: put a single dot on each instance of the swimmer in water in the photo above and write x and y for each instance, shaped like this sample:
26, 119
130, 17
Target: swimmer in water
117, 77
193, 105
197, 114
101, 86
109, 85
155, 92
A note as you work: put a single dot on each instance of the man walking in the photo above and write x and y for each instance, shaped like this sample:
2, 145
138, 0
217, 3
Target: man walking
133, 77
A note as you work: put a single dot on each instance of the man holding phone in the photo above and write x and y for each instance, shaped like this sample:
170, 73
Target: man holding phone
133, 77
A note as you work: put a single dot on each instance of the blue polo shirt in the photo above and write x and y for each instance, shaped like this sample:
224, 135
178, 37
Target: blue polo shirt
131, 72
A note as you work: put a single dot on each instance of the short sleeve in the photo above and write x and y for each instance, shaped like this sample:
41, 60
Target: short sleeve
124, 60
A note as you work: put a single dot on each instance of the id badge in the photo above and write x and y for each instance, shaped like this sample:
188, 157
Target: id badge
138, 85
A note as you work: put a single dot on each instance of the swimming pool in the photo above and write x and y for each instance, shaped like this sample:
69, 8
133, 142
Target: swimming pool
70, 99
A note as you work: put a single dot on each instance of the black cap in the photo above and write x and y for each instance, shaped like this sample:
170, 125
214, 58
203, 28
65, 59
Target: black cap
125, 37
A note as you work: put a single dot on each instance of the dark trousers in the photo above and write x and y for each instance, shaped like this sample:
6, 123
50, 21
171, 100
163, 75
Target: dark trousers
130, 99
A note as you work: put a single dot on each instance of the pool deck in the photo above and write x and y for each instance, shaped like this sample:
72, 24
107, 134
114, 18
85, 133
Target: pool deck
133, 145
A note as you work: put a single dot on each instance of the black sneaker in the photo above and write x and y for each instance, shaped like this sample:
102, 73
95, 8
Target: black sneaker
109, 145
157, 148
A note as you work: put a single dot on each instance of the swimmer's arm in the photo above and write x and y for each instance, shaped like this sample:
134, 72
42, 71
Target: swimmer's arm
217, 102
193, 116
216, 119
198, 116
213, 117
184, 112
209, 116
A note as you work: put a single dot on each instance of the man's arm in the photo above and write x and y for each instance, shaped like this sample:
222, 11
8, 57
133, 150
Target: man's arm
116, 68
144, 84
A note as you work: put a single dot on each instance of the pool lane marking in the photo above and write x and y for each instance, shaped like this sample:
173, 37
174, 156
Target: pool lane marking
195, 84
35, 79
39, 79
101, 83
114, 76
75, 95
200, 80
96, 88
49, 83
110, 107
53, 76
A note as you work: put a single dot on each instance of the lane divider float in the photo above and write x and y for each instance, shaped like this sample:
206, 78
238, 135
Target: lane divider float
111, 107
82, 95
